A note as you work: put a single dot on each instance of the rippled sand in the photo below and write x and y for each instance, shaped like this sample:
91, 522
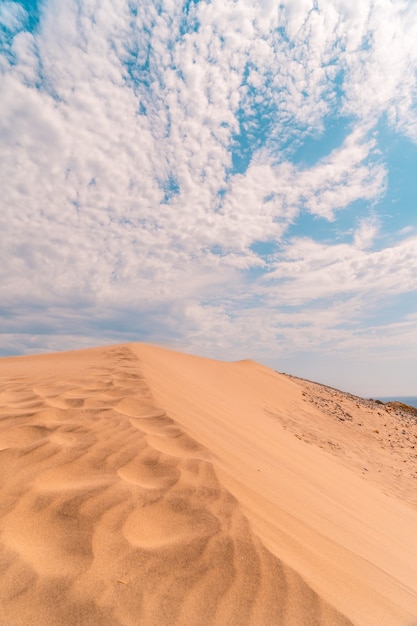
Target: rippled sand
146, 487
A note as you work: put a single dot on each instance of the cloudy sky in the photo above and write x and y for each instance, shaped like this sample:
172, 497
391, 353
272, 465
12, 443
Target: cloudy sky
236, 179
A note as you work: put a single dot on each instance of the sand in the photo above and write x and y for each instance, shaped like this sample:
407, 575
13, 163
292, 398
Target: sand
142, 486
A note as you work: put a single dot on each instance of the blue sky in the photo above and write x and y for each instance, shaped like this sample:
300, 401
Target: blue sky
236, 179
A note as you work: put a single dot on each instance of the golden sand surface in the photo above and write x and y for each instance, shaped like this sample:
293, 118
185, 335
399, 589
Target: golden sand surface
145, 487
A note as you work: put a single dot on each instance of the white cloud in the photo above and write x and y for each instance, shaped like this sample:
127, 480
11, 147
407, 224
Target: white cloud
119, 135
380, 76
313, 270
343, 177
12, 15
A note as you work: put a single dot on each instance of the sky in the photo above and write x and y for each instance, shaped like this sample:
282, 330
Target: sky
235, 179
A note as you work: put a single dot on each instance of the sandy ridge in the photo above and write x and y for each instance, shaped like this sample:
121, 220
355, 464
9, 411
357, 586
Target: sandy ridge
312, 507
110, 513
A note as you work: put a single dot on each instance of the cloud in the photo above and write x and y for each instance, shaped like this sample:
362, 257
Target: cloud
380, 72
12, 16
312, 270
148, 162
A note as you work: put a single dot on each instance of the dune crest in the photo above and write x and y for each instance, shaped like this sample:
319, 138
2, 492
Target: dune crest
143, 486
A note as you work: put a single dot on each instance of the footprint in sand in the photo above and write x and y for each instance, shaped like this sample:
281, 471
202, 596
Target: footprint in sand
22, 436
70, 439
150, 475
162, 426
180, 445
70, 478
162, 432
111, 393
164, 524
51, 416
44, 391
137, 407
17, 397
61, 402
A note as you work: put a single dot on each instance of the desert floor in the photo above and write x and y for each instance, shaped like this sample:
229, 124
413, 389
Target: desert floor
142, 487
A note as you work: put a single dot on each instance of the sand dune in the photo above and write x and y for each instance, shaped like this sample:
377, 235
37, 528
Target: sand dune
146, 487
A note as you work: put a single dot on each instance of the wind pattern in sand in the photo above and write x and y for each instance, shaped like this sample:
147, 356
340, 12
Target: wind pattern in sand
112, 514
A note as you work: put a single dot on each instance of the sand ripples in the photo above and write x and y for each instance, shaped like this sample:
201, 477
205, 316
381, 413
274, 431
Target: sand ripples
112, 514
